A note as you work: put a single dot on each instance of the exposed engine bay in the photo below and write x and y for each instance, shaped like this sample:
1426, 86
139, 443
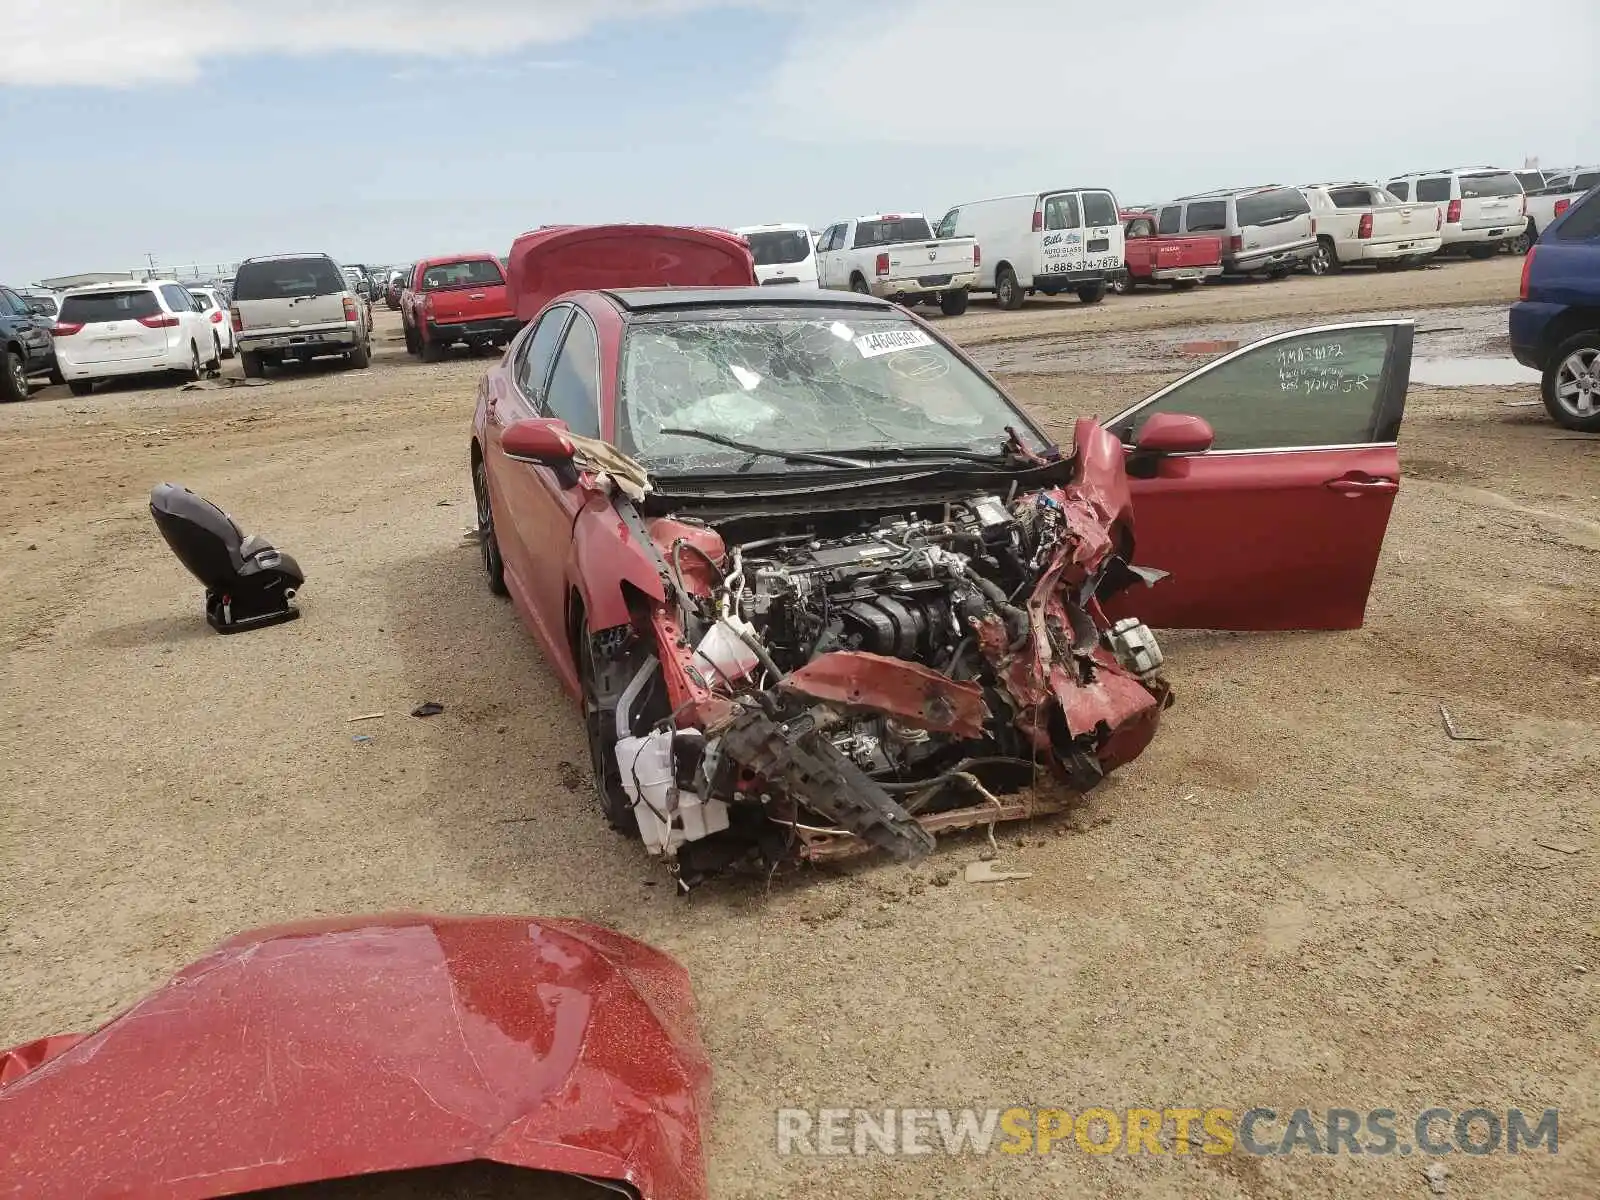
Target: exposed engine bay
866, 678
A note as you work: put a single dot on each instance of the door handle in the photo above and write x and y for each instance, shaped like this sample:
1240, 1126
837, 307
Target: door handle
1348, 486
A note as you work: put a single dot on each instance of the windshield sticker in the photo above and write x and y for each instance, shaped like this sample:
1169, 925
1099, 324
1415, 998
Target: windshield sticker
889, 341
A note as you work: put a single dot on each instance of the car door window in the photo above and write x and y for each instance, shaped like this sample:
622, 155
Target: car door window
1170, 220
947, 227
1400, 188
1332, 386
177, 299
1582, 224
11, 303
1099, 209
1207, 216
1433, 190
538, 348
574, 392
1139, 228
1061, 212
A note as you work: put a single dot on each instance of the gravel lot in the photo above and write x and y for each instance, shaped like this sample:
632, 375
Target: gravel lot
1304, 894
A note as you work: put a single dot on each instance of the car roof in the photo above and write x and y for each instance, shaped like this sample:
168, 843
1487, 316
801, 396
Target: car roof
438, 260
640, 300
261, 258
123, 286
777, 227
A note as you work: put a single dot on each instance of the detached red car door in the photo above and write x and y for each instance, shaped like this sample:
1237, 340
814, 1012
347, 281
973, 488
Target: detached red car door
1279, 524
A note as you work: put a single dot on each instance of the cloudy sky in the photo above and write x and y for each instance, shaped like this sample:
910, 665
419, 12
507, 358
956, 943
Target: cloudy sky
382, 130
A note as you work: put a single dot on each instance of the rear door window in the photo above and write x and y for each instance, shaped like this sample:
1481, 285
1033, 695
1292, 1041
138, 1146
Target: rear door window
1270, 208
1061, 212
1207, 216
474, 273
574, 392
1433, 190
1318, 388
892, 230
1400, 189
1586, 180
95, 307
1498, 183
1351, 197
1582, 224
12, 303
177, 299
1099, 208
947, 227
286, 278
774, 248
1171, 218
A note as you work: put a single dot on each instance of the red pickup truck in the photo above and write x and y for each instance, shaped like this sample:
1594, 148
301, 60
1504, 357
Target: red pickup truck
456, 298
1152, 257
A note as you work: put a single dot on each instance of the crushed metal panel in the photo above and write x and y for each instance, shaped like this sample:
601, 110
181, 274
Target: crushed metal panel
908, 691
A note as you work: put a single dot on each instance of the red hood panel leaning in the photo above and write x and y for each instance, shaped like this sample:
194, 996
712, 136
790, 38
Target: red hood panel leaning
357, 1045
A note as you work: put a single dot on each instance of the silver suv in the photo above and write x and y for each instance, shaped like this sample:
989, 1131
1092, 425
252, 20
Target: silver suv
1264, 230
297, 306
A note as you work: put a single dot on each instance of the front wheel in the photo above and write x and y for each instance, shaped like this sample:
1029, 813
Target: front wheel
605, 672
488, 548
1124, 283
1571, 385
1092, 293
953, 304
14, 382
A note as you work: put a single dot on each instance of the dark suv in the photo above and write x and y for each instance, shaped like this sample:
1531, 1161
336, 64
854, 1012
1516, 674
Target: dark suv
26, 347
1555, 327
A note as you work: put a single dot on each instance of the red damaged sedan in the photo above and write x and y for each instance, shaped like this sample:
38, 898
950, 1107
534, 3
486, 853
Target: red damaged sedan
820, 586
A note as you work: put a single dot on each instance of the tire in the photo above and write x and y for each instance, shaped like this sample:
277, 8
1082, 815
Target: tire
195, 372
1524, 241
1480, 252
251, 365
1324, 259
1007, 292
858, 284
1571, 381
1124, 284
1184, 285
494, 566
80, 387
361, 357
411, 340
1092, 293
953, 304
14, 379
599, 678
214, 367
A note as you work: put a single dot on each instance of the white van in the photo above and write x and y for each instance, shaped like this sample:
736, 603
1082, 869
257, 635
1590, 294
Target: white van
1061, 240
784, 254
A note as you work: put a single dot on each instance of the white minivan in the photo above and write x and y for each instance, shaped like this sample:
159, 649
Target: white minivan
115, 329
1060, 240
784, 254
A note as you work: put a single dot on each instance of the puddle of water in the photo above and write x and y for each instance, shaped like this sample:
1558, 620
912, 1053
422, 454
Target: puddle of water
1471, 372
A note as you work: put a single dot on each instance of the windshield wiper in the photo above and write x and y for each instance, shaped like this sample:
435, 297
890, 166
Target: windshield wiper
794, 456
997, 458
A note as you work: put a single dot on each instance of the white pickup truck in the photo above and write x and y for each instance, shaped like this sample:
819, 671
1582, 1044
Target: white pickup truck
1547, 203
895, 256
1363, 223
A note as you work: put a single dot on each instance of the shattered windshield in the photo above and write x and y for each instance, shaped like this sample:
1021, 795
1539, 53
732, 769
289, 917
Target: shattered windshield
826, 382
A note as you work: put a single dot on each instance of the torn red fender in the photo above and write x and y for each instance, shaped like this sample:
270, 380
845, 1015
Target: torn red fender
907, 691
358, 1045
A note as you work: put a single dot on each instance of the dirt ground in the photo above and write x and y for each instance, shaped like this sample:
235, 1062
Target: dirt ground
1304, 894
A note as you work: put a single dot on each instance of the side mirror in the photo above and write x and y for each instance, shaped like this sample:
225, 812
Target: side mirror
1175, 433
543, 442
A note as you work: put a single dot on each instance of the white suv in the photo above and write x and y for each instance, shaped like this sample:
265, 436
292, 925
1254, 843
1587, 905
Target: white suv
1483, 206
116, 329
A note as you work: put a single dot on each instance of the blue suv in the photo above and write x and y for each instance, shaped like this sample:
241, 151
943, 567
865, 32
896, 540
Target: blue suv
1555, 327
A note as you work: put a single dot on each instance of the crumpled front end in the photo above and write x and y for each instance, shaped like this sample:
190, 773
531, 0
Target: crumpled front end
816, 687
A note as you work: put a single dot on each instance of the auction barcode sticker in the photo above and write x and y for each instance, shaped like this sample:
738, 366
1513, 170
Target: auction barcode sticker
890, 340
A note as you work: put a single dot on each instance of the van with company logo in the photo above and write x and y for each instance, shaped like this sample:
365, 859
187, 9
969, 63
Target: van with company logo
1051, 241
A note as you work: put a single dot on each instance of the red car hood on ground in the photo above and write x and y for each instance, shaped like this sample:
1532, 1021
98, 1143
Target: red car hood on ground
358, 1045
